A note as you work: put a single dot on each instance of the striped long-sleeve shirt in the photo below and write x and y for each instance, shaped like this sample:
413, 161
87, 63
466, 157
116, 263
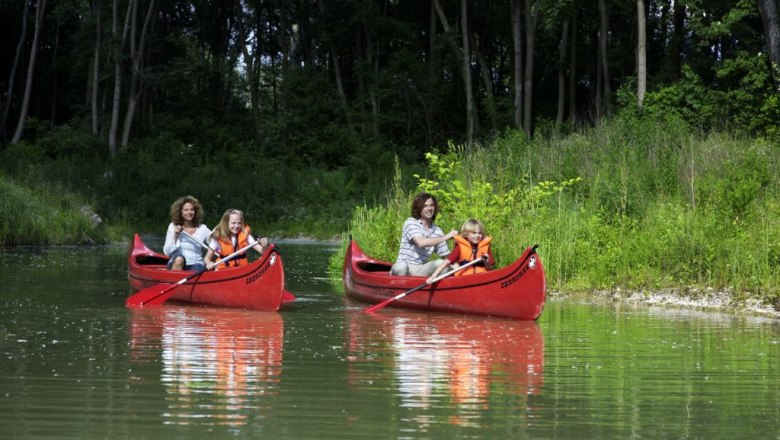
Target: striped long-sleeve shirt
419, 255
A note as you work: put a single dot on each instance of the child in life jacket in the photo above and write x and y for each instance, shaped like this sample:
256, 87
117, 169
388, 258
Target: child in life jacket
229, 236
471, 244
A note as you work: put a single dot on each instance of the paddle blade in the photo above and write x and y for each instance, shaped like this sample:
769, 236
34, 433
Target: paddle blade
288, 297
376, 307
151, 296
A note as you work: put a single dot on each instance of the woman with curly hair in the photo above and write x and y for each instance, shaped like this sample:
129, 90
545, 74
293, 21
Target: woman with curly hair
186, 216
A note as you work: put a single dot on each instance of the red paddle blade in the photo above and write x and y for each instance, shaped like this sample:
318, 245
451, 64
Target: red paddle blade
151, 296
376, 307
288, 297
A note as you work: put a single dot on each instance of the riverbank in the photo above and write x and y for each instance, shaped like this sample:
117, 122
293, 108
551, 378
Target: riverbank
704, 299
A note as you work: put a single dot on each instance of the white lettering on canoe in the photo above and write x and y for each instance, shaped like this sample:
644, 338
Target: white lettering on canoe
509, 282
256, 276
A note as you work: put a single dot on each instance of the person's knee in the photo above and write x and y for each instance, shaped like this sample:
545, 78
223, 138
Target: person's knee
430, 267
176, 263
400, 268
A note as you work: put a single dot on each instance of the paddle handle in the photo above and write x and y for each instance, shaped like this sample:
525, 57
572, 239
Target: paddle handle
381, 305
203, 245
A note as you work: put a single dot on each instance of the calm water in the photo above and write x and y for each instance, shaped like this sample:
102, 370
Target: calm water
75, 363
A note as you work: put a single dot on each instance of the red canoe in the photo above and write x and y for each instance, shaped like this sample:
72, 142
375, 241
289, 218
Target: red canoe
258, 285
515, 291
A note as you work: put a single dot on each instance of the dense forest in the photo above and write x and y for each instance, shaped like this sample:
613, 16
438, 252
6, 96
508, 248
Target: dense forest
297, 110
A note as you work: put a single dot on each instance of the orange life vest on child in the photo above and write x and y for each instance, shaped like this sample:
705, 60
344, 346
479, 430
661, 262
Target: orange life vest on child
470, 253
227, 248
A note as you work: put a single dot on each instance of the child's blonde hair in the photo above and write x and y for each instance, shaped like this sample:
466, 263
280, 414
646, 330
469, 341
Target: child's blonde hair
222, 230
472, 225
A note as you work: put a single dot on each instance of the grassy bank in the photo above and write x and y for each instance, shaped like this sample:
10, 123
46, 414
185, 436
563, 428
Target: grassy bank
635, 203
46, 214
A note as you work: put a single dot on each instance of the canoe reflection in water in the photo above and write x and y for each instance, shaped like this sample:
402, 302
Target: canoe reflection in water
215, 362
438, 359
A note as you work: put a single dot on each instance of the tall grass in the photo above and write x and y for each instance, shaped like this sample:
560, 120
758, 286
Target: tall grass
44, 215
637, 202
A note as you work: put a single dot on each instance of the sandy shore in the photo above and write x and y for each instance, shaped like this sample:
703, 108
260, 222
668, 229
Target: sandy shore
690, 298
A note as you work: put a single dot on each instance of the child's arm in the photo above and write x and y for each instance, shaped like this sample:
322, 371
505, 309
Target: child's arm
438, 270
488, 259
260, 244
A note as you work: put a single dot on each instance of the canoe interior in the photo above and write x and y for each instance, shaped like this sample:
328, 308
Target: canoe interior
374, 266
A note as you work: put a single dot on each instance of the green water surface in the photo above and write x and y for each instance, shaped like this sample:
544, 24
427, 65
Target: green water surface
75, 363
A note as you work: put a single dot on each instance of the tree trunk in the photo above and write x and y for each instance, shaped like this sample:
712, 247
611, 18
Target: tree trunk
641, 53
40, 10
54, 83
471, 108
12, 76
432, 40
573, 69
531, 18
604, 61
484, 69
96, 72
517, 39
770, 19
337, 72
371, 60
463, 59
562, 74
118, 46
678, 36
136, 56
252, 62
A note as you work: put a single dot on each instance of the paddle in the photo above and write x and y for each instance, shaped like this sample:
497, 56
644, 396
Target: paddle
376, 307
157, 294
203, 245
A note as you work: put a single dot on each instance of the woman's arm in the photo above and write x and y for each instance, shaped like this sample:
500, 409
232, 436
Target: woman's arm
171, 240
207, 260
421, 241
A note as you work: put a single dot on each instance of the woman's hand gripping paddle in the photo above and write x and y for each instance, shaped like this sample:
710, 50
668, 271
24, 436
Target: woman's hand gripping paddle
159, 293
381, 305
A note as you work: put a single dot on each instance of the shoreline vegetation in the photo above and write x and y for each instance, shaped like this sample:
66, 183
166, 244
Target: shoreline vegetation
641, 209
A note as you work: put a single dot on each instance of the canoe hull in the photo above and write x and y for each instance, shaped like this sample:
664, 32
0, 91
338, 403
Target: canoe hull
515, 291
258, 285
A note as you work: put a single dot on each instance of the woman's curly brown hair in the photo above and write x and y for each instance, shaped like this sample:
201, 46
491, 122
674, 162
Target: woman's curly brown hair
176, 207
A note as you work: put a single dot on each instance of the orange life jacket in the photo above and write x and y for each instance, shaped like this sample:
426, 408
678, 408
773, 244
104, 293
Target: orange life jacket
226, 248
469, 253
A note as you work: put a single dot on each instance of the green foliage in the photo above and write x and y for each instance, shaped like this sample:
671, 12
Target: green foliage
642, 202
462, 183
688, 98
